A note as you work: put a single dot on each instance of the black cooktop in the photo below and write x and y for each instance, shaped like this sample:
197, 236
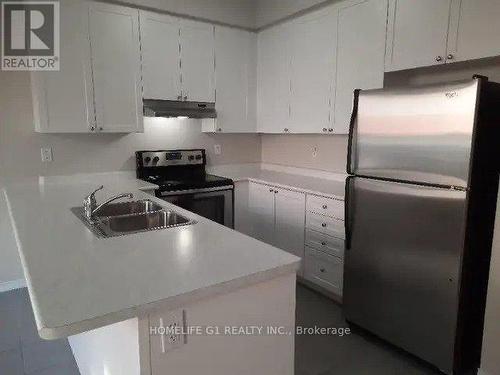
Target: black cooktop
188, 182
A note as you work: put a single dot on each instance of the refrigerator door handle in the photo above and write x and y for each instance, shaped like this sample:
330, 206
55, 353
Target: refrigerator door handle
349, 196
351, 142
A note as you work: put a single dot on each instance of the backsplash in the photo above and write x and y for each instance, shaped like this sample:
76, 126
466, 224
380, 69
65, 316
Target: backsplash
323, 152
86, 153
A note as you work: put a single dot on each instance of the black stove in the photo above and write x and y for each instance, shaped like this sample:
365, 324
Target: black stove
174, 170
182, 180
195, 181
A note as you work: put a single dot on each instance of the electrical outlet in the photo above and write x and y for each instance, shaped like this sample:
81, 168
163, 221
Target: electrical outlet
173, 335
314, 152
46, 154
217, 149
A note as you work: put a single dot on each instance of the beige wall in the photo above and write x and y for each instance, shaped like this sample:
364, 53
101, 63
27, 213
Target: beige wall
270, 11
297, 151
232, 12
80, 153
490, 363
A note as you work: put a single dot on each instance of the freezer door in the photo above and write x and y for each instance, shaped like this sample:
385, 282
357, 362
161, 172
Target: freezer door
416, 134
403, 249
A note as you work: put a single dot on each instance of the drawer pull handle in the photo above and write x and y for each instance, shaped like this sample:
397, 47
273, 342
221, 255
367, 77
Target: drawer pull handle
271, 190
325, 207
323, 243
322, 270
323, 225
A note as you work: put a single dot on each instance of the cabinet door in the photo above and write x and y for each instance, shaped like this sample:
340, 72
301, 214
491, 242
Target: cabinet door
290, 221
197, 61
474, 30
236, 75
417, 33
160, 56
313, 43
261, 211
273, 88
116, 67
63, 101
360, 55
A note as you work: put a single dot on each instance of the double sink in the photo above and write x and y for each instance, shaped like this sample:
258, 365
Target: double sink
117, 219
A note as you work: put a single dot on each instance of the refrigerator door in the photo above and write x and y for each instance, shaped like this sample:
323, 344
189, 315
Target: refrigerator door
415, 134
403, 252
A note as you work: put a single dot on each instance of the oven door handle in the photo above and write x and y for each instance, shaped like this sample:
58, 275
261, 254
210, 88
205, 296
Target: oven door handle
194, 191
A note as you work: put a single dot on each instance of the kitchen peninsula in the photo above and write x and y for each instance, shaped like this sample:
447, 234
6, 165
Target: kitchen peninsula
107, 294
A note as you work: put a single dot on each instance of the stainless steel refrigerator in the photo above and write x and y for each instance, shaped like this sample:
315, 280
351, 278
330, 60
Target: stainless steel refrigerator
420, 206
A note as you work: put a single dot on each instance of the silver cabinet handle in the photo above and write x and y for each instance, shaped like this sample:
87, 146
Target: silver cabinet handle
285, 130
92, 128
271, 190
323, 243
330, 130
450, 57
325, 207
179, 97
325, 130
439, 58
323, 225
219, 129
185, 97
101, 128
276, 192
322, 270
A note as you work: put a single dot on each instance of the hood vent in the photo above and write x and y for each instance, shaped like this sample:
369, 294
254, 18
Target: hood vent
172, 108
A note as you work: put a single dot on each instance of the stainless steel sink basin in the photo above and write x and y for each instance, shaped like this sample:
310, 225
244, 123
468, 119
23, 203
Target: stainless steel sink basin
119, 225
128, 208
114, 225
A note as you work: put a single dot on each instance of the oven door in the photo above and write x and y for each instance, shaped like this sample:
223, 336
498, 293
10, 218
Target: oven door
213, 203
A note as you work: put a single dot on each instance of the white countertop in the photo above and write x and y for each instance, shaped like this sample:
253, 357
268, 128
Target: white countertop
308, 181
78, 282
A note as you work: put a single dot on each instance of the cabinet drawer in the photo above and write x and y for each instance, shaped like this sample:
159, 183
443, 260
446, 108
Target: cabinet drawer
319, 241
326, 225
324, 270
325, 206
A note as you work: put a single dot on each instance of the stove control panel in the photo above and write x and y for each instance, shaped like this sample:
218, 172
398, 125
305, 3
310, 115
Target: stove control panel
170, 158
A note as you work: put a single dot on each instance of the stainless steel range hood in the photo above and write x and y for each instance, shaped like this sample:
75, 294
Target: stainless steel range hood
172, 108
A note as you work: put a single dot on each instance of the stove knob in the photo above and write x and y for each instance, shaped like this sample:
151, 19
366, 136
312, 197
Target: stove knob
191, 157
198, 157
147, 159
156, 159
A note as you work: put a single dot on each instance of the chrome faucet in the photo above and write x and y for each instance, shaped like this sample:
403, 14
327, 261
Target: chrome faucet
90, 203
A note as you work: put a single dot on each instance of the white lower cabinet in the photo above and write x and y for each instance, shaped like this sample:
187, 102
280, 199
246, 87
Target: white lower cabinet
325, 270
289, 221
282, 218
276, 216
261, 212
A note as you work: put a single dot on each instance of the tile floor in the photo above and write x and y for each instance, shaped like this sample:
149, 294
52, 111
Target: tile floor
355, 354
22, 352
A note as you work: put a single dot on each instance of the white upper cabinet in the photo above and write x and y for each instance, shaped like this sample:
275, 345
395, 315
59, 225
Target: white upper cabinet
116, 66
63, 101
313, 49
474, 30
236, 80
417, 33
197, 61
160, 45
273, 87
360, 55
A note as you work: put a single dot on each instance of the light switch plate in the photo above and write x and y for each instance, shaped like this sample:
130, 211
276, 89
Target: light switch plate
217, 149
46, 153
